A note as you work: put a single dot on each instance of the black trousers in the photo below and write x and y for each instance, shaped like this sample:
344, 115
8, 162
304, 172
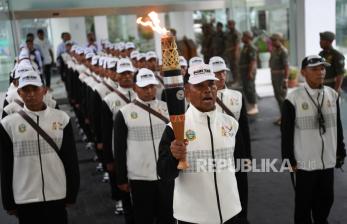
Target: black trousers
242, 186
314, 196
47, 74
151, 202
230, 221
52, 212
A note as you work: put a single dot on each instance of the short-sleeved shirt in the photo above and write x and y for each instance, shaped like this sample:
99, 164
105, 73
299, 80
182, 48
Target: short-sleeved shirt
218, 46
336, 60
232, 39
45, 46
279, 58
248, 54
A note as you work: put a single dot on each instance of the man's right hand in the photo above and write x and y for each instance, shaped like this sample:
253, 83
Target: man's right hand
124, 187
293, 169
12, 212
110, 167
179, 149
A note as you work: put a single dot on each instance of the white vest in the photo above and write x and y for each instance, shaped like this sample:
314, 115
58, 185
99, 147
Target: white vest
144, 131
308, 148
27, 179
232, 99
195, 197
115, 102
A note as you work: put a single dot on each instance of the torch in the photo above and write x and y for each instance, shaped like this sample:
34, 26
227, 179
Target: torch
173, 80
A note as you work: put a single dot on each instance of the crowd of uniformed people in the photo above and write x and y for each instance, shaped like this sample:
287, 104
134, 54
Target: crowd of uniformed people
118, 96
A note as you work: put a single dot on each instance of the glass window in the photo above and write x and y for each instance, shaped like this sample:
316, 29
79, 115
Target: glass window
341, 25
6, 46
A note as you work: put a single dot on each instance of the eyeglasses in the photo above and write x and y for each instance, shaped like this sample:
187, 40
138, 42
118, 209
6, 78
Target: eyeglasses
315, 60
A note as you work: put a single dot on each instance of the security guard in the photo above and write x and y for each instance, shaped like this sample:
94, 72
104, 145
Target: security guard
334, 73
248, 69
279, 70
231, 102
312, 140
39, 165
138, 128
203, 193
218, 44
232, 49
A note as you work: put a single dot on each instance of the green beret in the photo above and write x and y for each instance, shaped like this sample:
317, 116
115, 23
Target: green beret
327, 35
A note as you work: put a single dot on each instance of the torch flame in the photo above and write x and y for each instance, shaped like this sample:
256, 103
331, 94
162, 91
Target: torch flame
154, 23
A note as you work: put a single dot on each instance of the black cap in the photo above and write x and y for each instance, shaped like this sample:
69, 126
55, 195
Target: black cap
327, 35
312, 61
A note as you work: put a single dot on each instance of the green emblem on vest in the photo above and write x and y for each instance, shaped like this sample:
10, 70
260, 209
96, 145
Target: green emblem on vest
22, 128
117, 103
190, 135
304, 106
133, 115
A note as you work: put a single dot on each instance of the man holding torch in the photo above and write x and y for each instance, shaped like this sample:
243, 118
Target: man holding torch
205, 192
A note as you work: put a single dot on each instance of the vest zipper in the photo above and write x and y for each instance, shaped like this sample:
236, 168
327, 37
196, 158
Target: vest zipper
320, 132
39, 148
221, 99
152, 135
214, 172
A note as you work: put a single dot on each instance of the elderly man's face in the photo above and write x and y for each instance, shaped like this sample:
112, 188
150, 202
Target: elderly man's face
203, 95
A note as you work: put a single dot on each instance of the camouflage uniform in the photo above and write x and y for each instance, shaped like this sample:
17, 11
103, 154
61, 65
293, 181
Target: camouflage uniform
232, 56
337, 62
248, 54
278, 63
218, 45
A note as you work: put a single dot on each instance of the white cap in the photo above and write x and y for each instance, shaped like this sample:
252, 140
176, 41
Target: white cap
195, 61
73, 48
121, 46
217, 64
150, 55
111, 63
183, 61
95, 59
24, 53
141, 56
124, 64
13, 74
22, 68
146, 77
108, 45
79, 50
89, 55
133, 54
102, 61
129, 45
200, 73
30, 77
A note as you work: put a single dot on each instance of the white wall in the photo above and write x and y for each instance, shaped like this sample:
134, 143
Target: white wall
58, 26
183, 23
313, 17
101, 30
78, 30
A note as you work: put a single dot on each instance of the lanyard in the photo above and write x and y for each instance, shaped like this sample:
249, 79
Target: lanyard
319, 106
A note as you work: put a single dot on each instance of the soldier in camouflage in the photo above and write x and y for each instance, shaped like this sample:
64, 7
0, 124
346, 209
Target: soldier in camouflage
279, 70
248, 69
334, 73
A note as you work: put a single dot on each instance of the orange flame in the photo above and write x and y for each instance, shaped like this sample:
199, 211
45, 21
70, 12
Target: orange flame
154, 23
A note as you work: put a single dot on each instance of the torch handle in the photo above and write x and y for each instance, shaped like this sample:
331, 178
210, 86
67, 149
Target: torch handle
177, 122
